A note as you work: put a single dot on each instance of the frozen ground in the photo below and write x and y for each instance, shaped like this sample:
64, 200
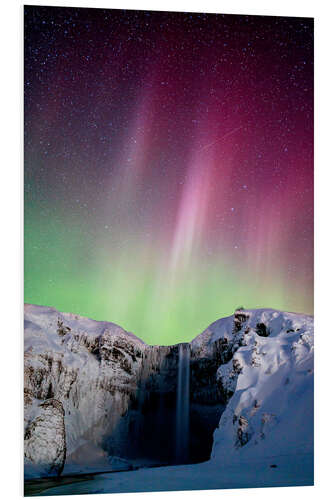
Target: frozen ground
289, 471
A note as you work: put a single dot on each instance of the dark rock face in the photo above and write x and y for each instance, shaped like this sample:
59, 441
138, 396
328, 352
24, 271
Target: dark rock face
148, 428
45, 439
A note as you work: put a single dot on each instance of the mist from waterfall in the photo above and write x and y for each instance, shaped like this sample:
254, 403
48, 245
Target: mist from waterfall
183, 405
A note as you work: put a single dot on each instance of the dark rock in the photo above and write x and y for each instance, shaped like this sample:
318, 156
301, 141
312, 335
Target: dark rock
243, 432
262, 330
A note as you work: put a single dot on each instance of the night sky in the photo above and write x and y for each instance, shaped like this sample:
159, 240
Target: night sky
168, 166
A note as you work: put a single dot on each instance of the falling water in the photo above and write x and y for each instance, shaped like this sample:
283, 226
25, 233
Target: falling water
183, 404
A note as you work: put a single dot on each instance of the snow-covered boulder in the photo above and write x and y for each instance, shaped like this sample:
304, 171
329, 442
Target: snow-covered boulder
45, 440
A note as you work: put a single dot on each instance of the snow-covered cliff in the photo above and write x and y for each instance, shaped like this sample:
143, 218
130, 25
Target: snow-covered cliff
255, 368
268, 382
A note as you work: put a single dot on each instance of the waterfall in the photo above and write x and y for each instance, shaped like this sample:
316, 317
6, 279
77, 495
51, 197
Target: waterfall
183, 404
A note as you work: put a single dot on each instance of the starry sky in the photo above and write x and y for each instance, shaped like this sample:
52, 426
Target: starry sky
168, 166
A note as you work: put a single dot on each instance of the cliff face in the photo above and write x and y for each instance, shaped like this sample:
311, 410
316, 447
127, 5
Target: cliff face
91, 367
266, 378
119, 396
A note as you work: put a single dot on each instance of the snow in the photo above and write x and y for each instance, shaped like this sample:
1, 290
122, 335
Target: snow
41, 318
255, 474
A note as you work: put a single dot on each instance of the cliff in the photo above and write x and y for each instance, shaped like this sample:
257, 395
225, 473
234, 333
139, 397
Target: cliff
111, 400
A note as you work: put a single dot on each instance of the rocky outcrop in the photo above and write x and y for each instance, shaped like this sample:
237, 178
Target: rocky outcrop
45, 440
262, 330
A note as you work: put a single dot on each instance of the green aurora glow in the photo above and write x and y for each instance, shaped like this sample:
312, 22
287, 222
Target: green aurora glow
61, 272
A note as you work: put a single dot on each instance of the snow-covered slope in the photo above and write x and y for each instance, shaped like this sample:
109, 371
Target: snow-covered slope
270, 381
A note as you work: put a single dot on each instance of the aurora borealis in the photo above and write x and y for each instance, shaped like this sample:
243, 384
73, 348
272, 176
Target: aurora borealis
168, 166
